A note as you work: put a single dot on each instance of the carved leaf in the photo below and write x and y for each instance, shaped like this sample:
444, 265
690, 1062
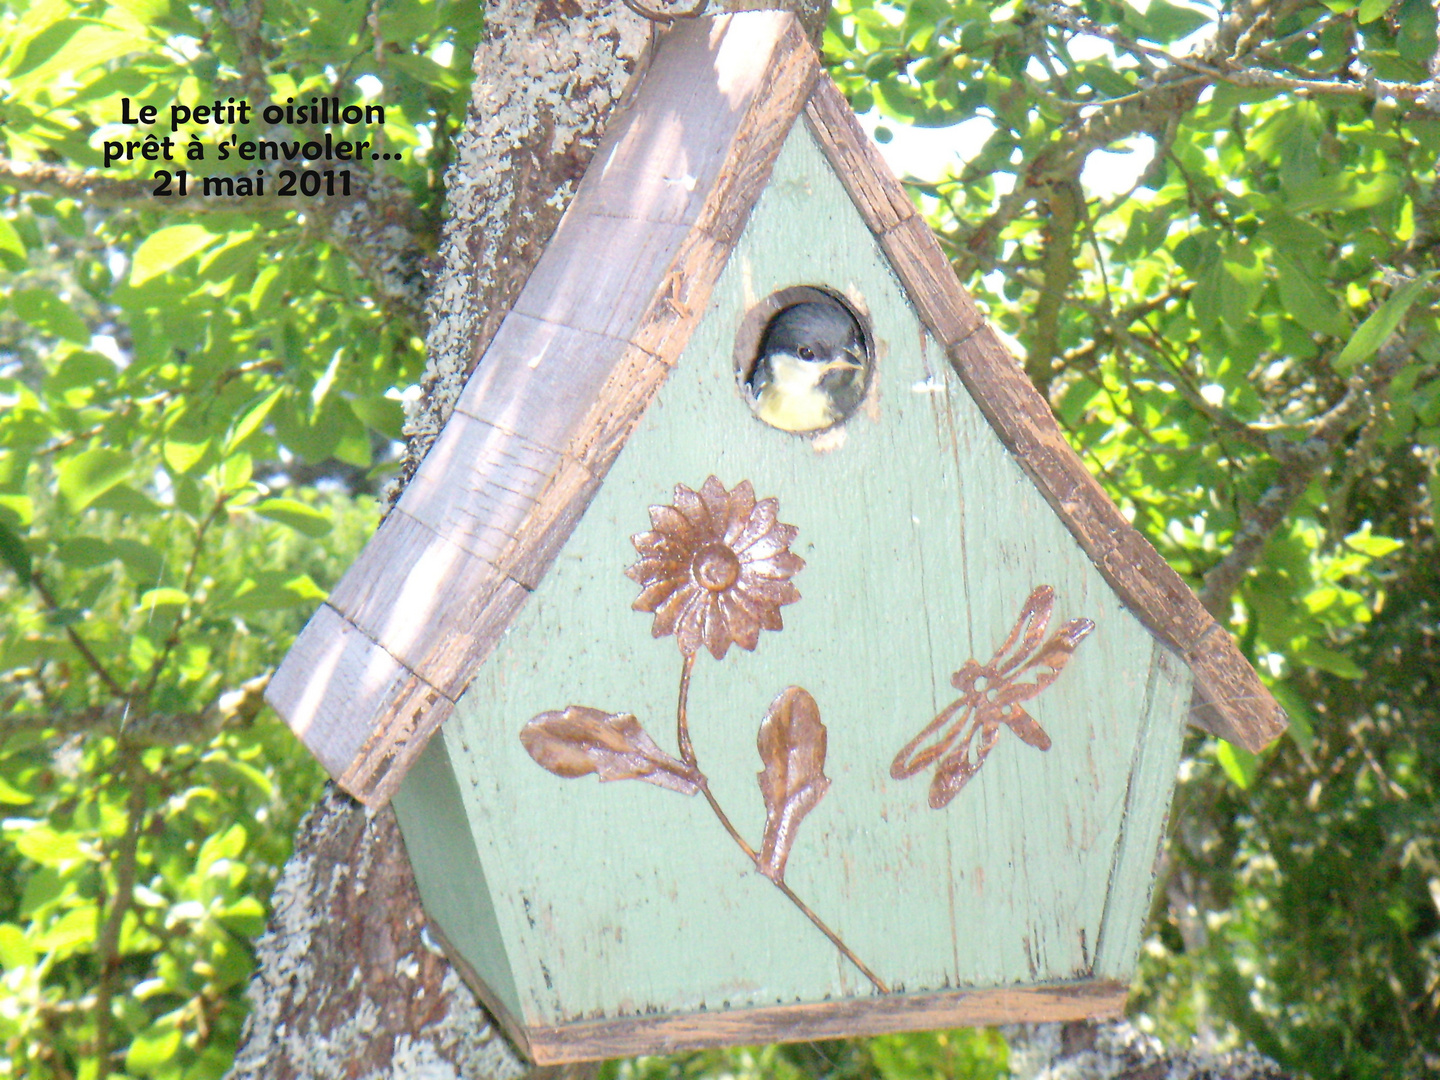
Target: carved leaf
580, 740
792, 746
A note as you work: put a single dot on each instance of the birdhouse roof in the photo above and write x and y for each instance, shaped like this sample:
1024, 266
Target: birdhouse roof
601, 321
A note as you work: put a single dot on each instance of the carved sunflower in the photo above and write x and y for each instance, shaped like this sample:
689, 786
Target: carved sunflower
716, 568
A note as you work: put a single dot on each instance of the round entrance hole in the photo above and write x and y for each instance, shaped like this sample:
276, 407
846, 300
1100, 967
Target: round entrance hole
804, 357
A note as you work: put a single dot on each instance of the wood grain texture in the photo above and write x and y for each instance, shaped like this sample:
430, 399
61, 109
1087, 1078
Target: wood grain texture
438, 609
1147, 800
882, 202
909, 244
823, 1020
333, 674
1242, 710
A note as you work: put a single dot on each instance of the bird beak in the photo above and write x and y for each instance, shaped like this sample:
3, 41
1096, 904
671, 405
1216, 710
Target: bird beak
847, 360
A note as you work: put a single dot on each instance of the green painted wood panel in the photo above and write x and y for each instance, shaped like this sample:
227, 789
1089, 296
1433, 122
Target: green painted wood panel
452, 882
1152, 782
923, 539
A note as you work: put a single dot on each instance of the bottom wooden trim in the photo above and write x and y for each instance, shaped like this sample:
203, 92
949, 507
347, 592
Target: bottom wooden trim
595, 1040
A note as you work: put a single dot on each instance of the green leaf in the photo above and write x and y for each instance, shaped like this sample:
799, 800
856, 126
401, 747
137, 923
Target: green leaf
85, 477
14, 551
1382, 323
303, 519
163, 598
245, 917
167, 249
1370, 10
15, 951
153, 1047
269, 591
1374, 546
1165, 22
69, 934
1239, 764
181, 457
1336, 663
45, 311
1313, 307
73, 46
248, 423
225, 845
84, 552
1302, 720
10, 243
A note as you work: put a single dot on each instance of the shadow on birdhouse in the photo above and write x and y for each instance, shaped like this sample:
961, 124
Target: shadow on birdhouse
884, 737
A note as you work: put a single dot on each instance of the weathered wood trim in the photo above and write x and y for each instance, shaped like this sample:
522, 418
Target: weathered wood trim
1244, 711
592, 1040
882, 202
880, 1015
515, 1031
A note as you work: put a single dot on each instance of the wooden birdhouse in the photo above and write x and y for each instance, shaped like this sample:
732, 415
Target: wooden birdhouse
889, 695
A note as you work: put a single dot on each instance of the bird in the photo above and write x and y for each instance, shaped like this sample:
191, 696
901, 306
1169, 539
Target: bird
810, 373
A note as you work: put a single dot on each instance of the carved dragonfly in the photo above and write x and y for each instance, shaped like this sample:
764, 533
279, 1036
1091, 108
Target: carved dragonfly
990, 696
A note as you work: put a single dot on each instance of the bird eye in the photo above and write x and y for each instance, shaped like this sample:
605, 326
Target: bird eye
806, 353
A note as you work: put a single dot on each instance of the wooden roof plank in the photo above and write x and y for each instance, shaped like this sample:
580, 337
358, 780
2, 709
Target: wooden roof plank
617, 258
484, 484
337, 686
855, 159
660, 162
438, 609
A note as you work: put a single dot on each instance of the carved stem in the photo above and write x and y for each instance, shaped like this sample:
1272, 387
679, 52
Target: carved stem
687, 755
682, 722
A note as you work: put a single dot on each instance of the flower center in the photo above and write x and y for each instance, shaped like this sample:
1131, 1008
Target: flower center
715, 567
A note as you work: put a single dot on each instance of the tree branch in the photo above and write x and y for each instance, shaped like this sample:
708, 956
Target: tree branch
1298, 469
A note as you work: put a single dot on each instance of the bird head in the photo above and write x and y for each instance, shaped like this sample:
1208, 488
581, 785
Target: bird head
819, 332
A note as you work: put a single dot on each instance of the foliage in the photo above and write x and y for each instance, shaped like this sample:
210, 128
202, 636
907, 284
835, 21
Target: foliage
195, 409
197, 406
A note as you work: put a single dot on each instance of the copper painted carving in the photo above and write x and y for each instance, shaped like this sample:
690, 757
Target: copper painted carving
715, 569
991, 695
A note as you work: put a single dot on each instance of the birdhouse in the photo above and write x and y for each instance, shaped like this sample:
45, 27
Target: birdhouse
788, 675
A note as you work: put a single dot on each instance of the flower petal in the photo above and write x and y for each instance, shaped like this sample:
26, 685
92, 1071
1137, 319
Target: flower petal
762, 520
767, 589
744, 623
689, 627
669, 522
717, 502
669, 612
782, 565
697, 514
742, 504
770, 617
779, 538
716, 630
656, 593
